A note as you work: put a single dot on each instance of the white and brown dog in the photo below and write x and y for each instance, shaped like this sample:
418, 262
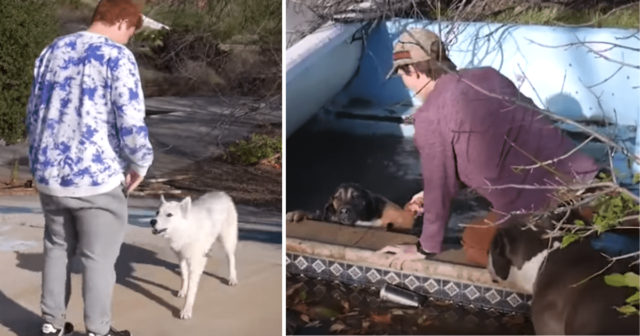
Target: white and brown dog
562, 303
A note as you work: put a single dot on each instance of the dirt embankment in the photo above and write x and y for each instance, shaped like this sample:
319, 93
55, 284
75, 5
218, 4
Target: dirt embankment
258, 185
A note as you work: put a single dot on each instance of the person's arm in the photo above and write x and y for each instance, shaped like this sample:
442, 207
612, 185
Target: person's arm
434, 142
35, 95
128, 102
33, 104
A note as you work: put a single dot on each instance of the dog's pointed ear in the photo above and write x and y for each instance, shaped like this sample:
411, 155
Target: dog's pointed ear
162, 199
186, 204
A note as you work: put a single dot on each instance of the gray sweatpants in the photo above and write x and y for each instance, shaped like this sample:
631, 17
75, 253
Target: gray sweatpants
92, 228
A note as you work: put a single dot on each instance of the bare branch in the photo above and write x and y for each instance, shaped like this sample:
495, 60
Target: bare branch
611, 167
575, 187
558, 158
606, 79
595, 274
633, 254
582, 43
610, 59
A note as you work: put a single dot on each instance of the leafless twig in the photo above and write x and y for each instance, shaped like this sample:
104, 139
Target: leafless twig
582, 144
571, 187
582, 43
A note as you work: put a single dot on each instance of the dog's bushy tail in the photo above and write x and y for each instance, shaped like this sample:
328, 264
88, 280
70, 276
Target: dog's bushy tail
229, 232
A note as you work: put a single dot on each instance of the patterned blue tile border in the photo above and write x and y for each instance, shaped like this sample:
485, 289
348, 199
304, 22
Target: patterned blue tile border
466, 294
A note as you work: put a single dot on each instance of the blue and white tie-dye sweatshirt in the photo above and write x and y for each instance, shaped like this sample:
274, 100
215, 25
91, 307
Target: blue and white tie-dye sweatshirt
85, 117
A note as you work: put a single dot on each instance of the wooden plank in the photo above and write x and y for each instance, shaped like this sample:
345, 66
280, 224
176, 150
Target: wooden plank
363, 238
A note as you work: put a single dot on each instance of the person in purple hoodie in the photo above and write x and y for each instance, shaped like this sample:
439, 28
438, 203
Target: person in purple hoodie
470, 130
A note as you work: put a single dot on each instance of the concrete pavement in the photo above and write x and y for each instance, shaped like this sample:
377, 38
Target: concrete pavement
144, 297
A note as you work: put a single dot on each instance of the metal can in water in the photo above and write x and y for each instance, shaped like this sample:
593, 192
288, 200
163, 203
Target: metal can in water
401, 296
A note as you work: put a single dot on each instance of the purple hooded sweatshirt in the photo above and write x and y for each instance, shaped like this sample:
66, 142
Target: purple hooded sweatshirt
464, 134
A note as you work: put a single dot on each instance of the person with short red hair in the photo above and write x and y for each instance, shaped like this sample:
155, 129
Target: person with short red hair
88, 148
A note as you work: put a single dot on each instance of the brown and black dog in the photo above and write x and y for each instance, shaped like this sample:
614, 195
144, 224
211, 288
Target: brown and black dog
561, 304
351, 204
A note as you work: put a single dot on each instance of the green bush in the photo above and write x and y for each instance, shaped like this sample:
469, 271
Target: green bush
613, 208
26, 27
258, 147
223, 20
626, 280
222, 46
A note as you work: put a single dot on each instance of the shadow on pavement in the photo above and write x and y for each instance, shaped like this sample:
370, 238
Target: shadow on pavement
129, 255
23, 322
16, 318
141, 218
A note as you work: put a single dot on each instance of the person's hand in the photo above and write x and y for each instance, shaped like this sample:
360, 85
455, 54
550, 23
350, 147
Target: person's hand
403, 252
132, 181
416, 205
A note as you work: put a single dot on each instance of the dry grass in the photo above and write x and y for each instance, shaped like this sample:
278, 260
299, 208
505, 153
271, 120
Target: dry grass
259, 186
557, 16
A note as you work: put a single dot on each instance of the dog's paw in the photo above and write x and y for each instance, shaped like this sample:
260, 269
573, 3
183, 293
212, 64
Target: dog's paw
186, 313
233, 282
296, 216
181, 293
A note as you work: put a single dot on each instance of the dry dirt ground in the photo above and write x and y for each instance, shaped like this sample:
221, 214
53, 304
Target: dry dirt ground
259, 185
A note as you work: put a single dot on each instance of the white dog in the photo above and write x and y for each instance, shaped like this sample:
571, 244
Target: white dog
192, 228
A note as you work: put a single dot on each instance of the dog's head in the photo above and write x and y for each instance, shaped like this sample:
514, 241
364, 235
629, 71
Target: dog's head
169, 215
350, 203
517, 248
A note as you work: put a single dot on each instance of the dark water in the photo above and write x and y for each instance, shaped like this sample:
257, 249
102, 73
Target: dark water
388, 165
319, 307
318, 162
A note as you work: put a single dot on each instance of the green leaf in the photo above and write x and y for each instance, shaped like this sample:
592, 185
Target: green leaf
632, 279
302, 296
615, 280
634, 298
569, 238
326, 312
628, 309
636, 178
578, 223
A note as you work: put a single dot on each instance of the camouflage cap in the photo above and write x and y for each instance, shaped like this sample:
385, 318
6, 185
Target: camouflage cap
413, 46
